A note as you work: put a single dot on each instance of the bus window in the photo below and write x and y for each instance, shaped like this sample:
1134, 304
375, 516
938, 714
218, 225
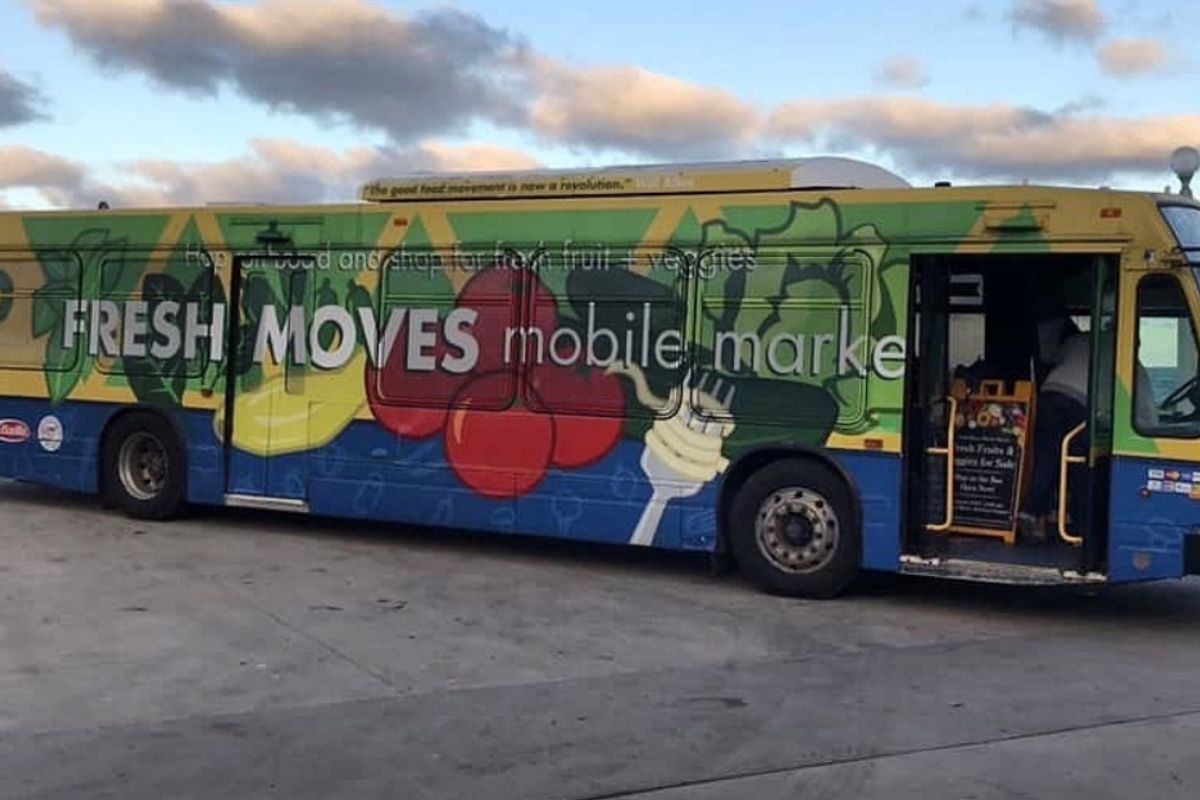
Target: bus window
151, 307
34, 292
442, 349
1167, 395
608, 342
801, 321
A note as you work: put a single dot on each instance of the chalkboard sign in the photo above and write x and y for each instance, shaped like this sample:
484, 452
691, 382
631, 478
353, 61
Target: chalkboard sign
989, 458
985, 478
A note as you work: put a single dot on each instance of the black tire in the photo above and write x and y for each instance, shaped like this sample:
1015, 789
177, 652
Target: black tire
794, 530
144, 468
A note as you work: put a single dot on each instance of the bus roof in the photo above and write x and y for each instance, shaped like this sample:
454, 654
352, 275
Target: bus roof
728, 176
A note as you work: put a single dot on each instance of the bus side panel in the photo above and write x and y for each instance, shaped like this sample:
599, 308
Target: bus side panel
877, 477
59, 445
205, 454
65, 459
368, 473
412, 481
1154, 505
613, 501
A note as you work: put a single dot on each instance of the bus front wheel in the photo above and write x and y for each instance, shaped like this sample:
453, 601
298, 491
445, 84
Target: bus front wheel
792, 530
144, 467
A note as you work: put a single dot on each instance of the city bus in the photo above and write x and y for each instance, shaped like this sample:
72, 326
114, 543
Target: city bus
807, 366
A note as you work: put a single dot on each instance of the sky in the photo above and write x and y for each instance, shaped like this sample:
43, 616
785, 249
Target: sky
170, 102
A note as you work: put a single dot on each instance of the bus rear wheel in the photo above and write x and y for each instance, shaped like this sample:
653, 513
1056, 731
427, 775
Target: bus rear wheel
144, 467
792, 530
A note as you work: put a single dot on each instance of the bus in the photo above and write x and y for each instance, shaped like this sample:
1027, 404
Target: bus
807, 365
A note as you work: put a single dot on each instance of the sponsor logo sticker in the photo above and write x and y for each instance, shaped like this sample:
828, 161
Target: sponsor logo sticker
1157, 474
1155, 486
50, 433
13, 431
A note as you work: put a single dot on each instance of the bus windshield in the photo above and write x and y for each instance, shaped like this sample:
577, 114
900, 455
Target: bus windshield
1185, 223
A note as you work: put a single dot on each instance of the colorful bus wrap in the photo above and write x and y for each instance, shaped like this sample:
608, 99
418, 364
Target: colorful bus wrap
718, 359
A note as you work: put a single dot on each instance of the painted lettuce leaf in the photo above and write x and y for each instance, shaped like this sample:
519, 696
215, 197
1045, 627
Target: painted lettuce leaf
812, 276
87, 279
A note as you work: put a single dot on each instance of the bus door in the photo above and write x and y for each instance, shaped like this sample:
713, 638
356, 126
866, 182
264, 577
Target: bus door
266, 408
928, 413
972, 425
1091, 536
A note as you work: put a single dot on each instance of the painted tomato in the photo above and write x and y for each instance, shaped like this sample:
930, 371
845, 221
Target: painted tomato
496, 295
499, 454
588, 406
412, 422
409, 402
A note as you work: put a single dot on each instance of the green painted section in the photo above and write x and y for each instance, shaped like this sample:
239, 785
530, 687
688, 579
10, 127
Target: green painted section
111, 253
818, 287
523, 228
416, 275
561, 243
1126, 439
307, 260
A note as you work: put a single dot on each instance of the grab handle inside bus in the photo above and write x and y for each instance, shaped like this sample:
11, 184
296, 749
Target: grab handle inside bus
948, 452
1064, 469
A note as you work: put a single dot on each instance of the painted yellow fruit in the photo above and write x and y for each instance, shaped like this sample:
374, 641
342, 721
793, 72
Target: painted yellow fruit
273, 421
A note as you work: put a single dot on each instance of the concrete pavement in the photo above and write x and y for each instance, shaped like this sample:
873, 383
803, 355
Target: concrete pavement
254, 655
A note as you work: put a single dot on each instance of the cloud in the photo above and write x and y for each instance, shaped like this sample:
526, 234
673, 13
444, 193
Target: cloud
352, 60
1127, 58
18, 101
275, 171
902, 72
997, 141
57, 179
628, 108
427, 74
420, 76
1090, 102
286, 171
1061, 20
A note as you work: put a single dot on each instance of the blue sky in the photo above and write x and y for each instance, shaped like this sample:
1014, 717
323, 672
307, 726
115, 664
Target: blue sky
165, 101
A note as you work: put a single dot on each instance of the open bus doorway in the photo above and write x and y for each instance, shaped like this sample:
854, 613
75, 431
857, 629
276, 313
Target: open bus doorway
1009, 422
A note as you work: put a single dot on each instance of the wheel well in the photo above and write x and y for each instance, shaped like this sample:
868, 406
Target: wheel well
122, 414
755, 460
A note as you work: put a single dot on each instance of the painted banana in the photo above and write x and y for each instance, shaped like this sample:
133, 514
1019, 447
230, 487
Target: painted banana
272, 421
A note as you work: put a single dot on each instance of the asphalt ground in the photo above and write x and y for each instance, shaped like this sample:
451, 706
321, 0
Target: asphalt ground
251, 655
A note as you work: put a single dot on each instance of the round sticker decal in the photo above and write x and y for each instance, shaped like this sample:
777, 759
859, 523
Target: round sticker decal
50, 433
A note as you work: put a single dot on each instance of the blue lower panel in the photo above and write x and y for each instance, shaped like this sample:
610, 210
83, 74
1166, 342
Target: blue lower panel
69, 464
606, 501
1152, 510
879, 479
365, 473
74, 464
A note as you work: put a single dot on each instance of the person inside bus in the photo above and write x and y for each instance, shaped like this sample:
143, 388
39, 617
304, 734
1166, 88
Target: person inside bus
1063, 355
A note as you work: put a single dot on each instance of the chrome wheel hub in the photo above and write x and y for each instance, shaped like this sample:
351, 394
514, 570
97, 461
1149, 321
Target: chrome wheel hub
797, 530
142, 466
